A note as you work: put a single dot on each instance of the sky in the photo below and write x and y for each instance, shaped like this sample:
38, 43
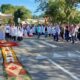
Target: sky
30, 4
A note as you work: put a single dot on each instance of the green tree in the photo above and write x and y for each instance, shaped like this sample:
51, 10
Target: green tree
17, 11
60, 10
21, 13
7, 8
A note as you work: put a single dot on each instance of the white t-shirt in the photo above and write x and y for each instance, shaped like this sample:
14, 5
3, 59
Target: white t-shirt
76, 29
12, 31
57, 28
7, 29
25, 32
34, 30
49, 29
31, 32
20, 32
28, 28
43, 29
53, 30
15, 31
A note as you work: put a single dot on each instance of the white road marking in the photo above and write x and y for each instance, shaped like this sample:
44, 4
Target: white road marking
78, 51
58, 55
66, 55
38, 44
39, 57
23, 44
59, 66
73, 55
27, 46
51, 45
64, 70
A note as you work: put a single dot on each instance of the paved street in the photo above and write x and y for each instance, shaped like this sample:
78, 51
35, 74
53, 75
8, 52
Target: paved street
49, 60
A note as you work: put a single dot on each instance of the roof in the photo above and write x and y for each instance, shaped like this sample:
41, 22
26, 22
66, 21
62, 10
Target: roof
5, 15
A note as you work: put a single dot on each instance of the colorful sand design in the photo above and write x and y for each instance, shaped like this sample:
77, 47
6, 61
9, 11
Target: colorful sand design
14, 70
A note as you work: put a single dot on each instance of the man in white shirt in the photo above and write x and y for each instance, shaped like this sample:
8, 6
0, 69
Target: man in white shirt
57, 29
53, 32
34, 29
15, 30
76, 31
28, 29
31, 32
73, 33
7, 31
20, 34
39, 31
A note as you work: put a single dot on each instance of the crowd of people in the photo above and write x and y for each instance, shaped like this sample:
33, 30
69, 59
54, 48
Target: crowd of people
68, 33
13, 32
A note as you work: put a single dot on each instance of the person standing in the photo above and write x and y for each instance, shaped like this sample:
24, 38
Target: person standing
31, 32
46, 31
39, 30
43, 29
67, 34
54, 33
28, 29
24, 32
49, 30
7, 31
76, 30
34, 29
20, 34
62, 32
12, 32
57, 29
73, 33
15, 33
79, 33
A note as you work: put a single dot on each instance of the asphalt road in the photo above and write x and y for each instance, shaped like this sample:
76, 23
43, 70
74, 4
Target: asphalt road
49, 60
46, 59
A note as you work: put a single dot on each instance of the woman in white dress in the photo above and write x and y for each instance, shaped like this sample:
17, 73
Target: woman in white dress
20, 34
25, 32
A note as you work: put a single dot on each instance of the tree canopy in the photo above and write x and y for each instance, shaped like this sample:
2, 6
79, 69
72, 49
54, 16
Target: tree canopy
7, 8
17, 11
21, 13
60, 11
